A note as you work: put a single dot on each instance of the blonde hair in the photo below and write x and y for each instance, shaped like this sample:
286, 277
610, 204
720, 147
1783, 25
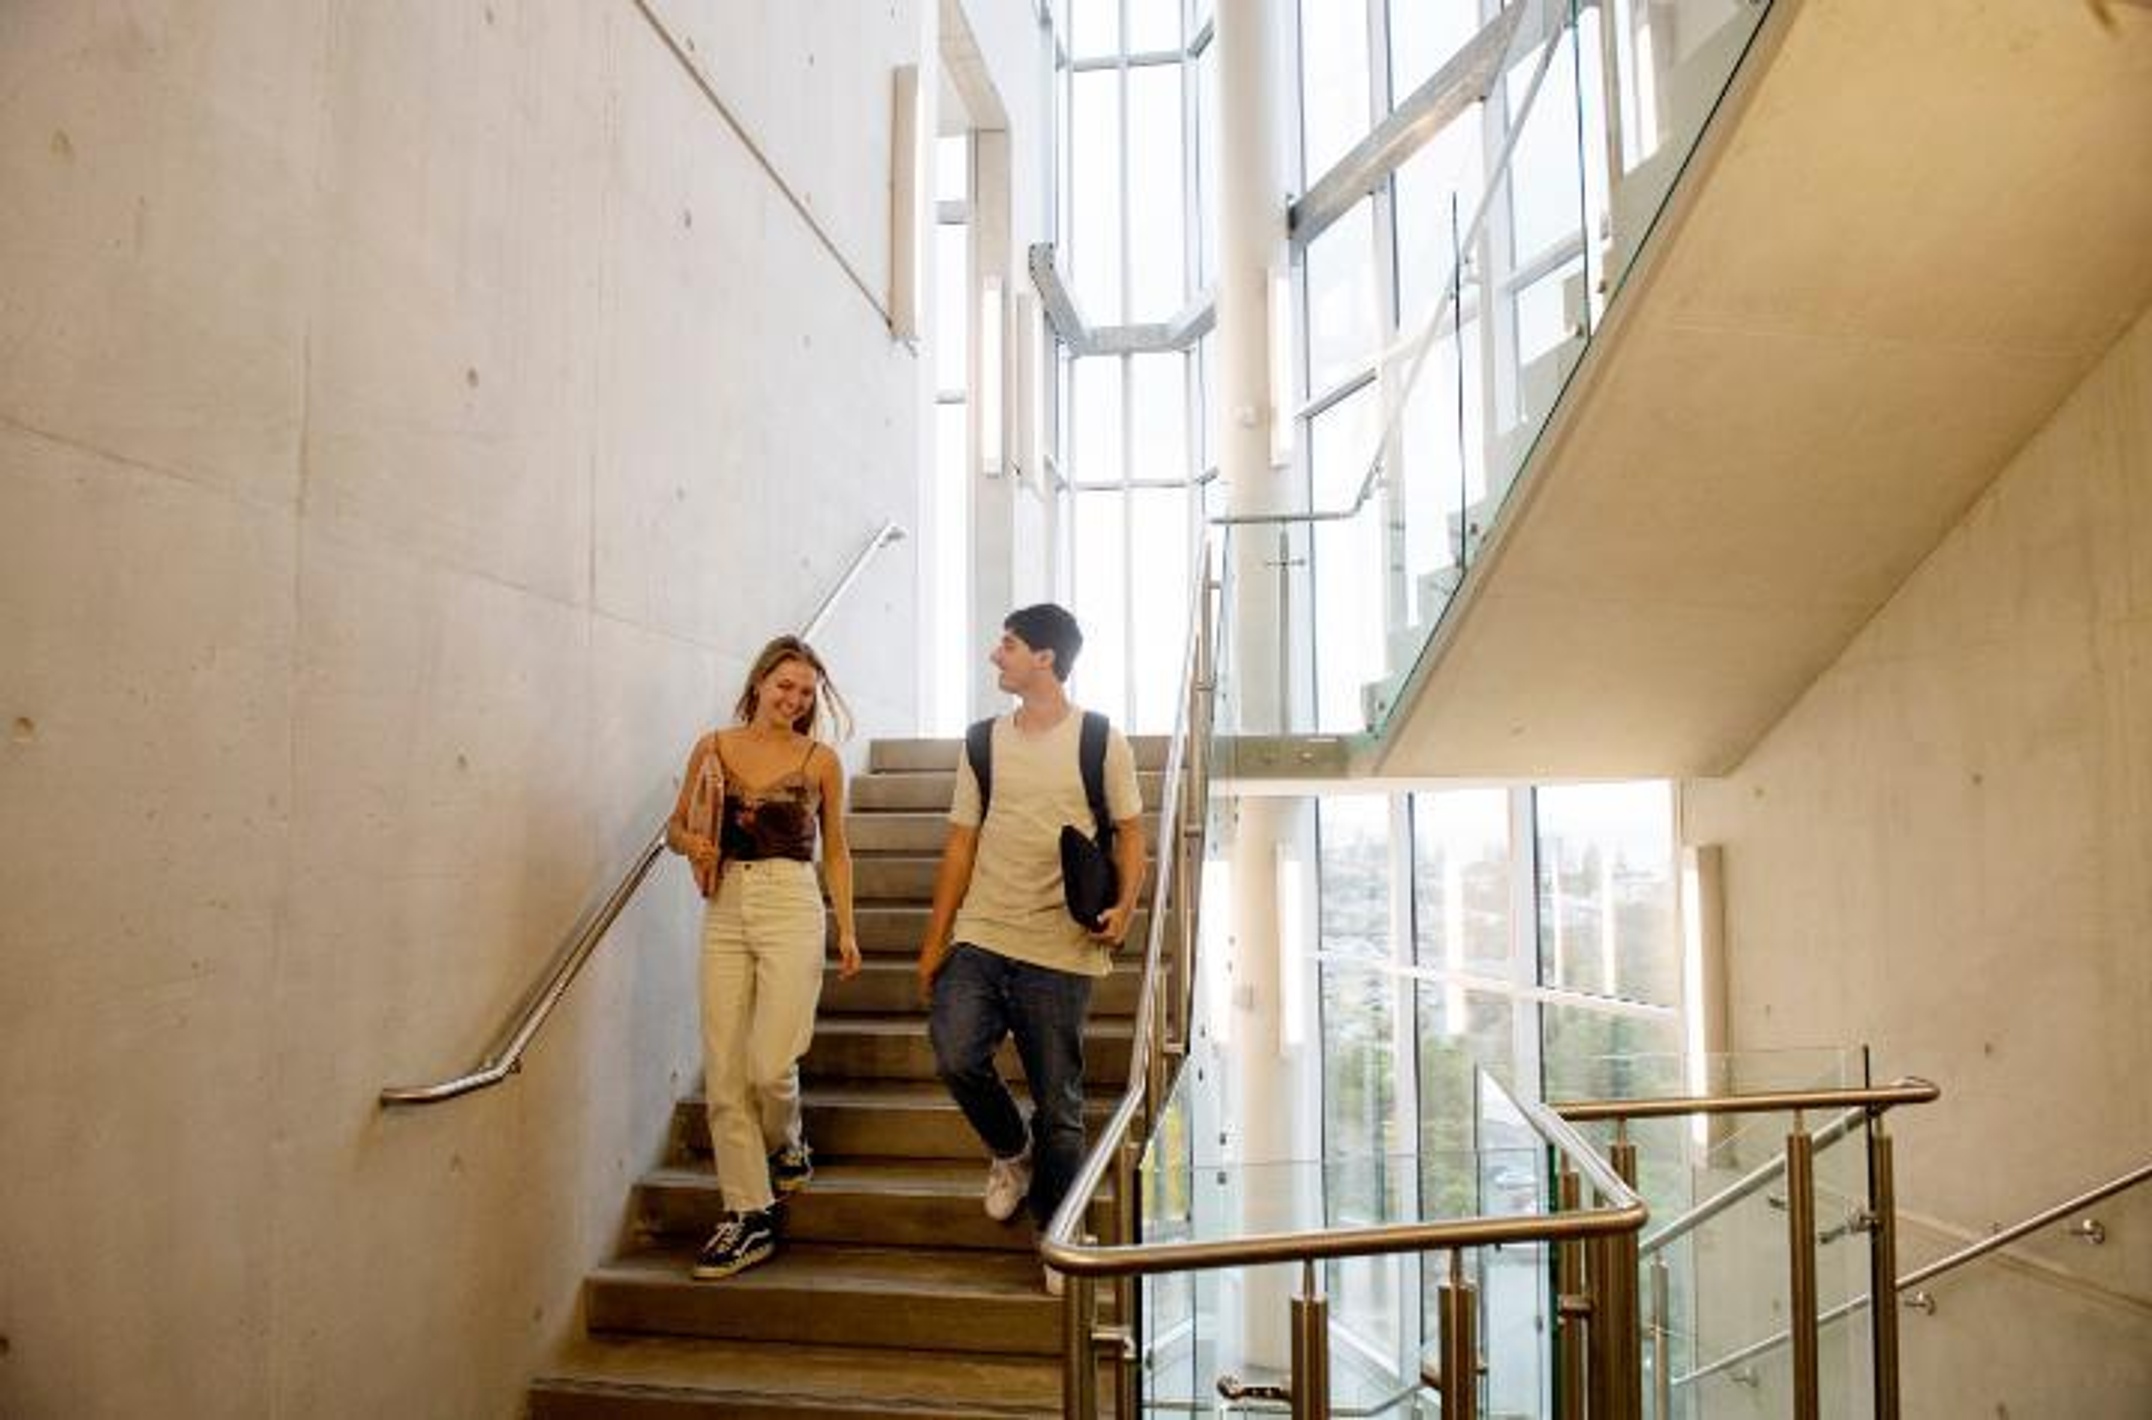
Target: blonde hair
792, 648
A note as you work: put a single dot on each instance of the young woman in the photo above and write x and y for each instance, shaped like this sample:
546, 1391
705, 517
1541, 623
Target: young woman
749, 807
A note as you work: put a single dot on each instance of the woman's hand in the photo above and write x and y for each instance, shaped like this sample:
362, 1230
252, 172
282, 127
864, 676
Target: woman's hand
847, 956
700, 851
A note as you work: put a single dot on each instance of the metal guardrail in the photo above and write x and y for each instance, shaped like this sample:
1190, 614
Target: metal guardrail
505, 1056
1910, 1282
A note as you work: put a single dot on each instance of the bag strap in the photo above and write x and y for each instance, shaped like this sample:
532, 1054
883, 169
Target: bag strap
1091, 759
979, 750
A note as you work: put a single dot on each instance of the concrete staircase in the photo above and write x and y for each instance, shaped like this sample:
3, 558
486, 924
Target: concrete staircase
894, 1292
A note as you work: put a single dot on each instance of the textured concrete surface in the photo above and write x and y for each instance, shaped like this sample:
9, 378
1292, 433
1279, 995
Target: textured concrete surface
411, 418
1945, 850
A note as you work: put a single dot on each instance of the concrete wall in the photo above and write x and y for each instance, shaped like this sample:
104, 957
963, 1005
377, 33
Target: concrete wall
1945, 850
411, 417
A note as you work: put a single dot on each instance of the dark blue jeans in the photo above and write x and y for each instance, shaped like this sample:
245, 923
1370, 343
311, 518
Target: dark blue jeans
980, 997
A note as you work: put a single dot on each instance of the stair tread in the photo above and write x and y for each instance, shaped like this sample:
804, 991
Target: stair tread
898, 1094
937, 1177
840, 1267
885, 1024
879, 1380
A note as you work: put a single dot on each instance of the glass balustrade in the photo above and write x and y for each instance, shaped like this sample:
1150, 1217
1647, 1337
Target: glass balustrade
1428, 386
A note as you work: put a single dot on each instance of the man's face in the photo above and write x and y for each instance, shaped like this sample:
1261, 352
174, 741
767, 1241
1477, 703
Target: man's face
1018, 665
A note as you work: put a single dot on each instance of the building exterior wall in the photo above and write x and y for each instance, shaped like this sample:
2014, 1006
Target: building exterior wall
412, 417
1945, 851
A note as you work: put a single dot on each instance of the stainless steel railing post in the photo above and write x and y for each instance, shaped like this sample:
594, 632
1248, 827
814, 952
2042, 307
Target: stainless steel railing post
1459, 1334
1801, 1269
1311, 1347
1662, 1336
1079, 1371
1128, 1287
1615, 1313
1883, 1267
1571, 1307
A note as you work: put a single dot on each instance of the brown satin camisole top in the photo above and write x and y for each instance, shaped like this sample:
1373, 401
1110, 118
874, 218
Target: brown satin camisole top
776, 820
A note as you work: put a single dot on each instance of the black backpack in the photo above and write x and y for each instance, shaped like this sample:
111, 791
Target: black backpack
1089, 878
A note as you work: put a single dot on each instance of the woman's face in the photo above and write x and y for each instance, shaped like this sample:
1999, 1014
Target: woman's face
786, 693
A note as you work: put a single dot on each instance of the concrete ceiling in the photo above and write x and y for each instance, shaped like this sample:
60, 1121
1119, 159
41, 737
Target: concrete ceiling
1912, 231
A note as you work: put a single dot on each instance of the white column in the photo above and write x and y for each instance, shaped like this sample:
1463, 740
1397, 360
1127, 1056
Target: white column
1274, 1126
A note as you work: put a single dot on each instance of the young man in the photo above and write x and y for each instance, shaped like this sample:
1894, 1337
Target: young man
1002, 956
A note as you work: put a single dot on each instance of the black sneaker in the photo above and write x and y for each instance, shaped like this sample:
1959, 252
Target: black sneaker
740, 1242
790, 1169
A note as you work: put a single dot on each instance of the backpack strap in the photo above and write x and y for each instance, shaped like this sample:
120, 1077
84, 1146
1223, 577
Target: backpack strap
979, 750
1091, 759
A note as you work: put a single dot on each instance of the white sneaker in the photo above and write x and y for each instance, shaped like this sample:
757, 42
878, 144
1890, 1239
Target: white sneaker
1007, 1181
1053, 1282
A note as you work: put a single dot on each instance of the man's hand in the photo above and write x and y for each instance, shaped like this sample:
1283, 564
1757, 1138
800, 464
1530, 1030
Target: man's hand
931, 958
1112, 928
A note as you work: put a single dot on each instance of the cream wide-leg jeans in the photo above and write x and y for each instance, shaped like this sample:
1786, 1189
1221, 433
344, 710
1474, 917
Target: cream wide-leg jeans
762, 950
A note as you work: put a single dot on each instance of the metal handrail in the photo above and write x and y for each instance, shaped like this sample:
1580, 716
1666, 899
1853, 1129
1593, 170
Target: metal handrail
1741, 1188
888, 533
505, 1058
2121, 1183
1909, 1090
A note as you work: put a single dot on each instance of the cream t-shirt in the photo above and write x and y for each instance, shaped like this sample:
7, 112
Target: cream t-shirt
1014, 905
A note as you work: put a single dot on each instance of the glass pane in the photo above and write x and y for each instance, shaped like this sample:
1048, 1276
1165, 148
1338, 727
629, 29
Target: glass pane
1095, 195
1424, 33
1548, 315
1347, 562
1096, 421
1354, 916
1590, 1053
1333, 82
1359, 1094
1544, 174
1159, 393
1153, 25
1207, 165
1460, 881
1094, 28
1160, 571
1341, 299
1606, 891
952, 308
1450, 168
1156, 194
1100, 681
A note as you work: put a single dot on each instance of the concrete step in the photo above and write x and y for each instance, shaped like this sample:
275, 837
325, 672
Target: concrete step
666, 1378
891, 878
873, 1119
922, 834
889, 985
884, 1203
894, 1047
926, 792
941, 755
894, 928
993, 1303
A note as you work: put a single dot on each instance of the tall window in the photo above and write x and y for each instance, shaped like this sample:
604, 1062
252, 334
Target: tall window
1131, 434
1529, 932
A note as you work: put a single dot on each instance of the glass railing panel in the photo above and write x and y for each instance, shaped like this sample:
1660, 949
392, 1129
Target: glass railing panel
1597, 111
1384, 1310
1845, 1354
